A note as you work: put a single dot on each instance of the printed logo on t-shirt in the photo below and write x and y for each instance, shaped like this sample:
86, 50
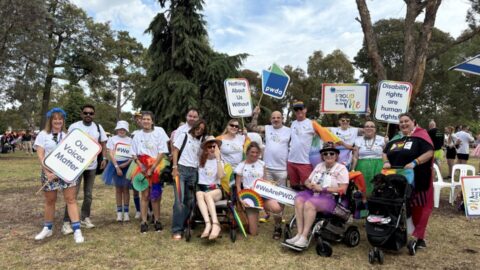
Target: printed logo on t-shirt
397, 146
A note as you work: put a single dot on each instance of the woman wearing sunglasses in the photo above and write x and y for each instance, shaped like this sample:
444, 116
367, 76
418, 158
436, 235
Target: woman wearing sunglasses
233, 142
347, 134
328, 177
367, 154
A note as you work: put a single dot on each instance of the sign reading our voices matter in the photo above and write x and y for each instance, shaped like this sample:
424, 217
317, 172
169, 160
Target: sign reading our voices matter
393, 99
73, 155
239, 101
350, 98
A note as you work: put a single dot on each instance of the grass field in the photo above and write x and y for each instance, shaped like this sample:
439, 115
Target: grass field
453, 241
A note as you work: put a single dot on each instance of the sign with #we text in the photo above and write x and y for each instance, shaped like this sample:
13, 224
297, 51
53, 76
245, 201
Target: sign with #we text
393, 98
348, 97
239, 101
73, 155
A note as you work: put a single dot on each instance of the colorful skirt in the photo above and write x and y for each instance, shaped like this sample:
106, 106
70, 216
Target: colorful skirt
55, 184
369, 168
110, 176
148, 161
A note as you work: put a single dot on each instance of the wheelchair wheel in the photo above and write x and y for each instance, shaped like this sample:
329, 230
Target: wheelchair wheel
371, 256
324, 249
380, 256
233, 234
352, 237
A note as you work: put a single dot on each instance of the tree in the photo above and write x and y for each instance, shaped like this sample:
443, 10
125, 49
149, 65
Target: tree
415, 45
185, 71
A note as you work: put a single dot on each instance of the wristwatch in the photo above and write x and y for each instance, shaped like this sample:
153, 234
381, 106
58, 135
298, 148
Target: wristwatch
174, 166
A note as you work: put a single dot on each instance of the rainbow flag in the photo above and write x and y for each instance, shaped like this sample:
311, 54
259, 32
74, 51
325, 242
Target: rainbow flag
325, 134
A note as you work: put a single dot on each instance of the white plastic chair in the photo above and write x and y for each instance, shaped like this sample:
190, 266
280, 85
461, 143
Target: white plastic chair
464, 170
438, 185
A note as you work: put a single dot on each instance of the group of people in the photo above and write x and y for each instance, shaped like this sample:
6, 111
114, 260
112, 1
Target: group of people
10, 141
199, 160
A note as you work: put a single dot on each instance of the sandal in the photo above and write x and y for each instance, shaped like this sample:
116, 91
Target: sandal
206, 232
214, 234
277, 232
177, 237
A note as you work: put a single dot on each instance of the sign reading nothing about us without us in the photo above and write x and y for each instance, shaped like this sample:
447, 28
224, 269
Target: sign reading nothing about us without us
393, 99
72, 155
239, 100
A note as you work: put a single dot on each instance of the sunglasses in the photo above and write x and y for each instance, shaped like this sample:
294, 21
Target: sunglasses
234, 126
297, 109
88, 113
211, 146
345, 120
328, 154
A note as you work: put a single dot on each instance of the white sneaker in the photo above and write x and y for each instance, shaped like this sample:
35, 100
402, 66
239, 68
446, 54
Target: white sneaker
87, 223
67, 228
302, 242
46, 232
119, 216
138, 215
78, 237
126, 217
292, 241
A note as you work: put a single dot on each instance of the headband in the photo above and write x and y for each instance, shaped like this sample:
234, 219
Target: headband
56, 110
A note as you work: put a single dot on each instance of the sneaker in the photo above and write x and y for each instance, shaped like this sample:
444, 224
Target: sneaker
126, 217
78, 237
264, 219
292, 241
46, 232
119, 216
302, 242
144, 227
158, 226
138, 215
421, 244
87, 223
67, 228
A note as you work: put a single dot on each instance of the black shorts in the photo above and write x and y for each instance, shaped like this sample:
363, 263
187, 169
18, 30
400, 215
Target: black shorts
451, 152
462, 156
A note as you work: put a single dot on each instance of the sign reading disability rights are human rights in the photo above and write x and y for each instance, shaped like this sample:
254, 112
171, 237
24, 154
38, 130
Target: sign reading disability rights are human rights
73, 155
275, 82
393, 99
239, 100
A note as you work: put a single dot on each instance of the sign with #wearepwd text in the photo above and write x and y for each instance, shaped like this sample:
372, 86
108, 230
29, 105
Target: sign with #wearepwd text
73, 155
344, 97
393, 99
275, 82
239, 100
269, 190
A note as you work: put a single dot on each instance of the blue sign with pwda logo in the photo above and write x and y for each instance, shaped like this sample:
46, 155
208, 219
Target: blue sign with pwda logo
275, 82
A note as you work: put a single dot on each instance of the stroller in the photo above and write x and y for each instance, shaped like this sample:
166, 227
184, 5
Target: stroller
331, 228
386, 224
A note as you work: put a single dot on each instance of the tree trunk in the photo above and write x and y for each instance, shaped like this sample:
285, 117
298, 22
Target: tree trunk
119, 99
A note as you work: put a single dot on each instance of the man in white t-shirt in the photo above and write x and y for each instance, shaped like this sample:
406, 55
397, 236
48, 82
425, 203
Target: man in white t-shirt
191, 118
464, 138
96, 132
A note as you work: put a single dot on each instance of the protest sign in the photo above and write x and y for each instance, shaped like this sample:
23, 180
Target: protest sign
393, 98
350, 98
275, 82
471, 195
239, 100
269, 190
123, 150
73, 155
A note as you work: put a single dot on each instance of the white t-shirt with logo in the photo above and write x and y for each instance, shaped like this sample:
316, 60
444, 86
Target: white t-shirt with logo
301, 140
465, 139
149, 143
232, 150
47, 142
250, 172
276, 147
348, 136
112, 146
190, 153
370, 148
208, 175
333, 177
91, 130
185, 128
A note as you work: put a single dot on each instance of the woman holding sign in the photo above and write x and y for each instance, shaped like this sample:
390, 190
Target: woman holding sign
46, 141
116, 172
414, 150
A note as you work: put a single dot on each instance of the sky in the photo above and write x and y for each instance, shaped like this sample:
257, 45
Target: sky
285, 32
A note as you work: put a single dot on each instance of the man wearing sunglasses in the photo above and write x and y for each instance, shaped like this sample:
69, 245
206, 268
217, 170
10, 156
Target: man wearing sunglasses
97, 132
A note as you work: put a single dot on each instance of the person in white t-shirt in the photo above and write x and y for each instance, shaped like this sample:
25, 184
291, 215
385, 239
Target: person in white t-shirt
185, 155
275, 155
119, 150
95, 131
192, 117
247, 172
46, 141
233, 142
348, 135
210, 171
464, 138
149, 147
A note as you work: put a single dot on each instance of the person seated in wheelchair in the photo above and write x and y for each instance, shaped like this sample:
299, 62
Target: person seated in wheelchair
326, 180
210, 171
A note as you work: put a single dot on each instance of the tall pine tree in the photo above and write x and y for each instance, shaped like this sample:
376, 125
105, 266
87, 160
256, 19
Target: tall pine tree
185, 71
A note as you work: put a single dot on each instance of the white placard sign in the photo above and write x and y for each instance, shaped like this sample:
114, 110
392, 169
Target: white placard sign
471, 195
123, 150
393, 98
239, 101
73, 155
269, 190
344, 97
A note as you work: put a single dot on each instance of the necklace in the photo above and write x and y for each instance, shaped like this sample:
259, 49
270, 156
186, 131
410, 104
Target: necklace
369, 147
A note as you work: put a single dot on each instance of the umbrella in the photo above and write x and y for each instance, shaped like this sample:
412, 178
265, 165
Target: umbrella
179, 189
